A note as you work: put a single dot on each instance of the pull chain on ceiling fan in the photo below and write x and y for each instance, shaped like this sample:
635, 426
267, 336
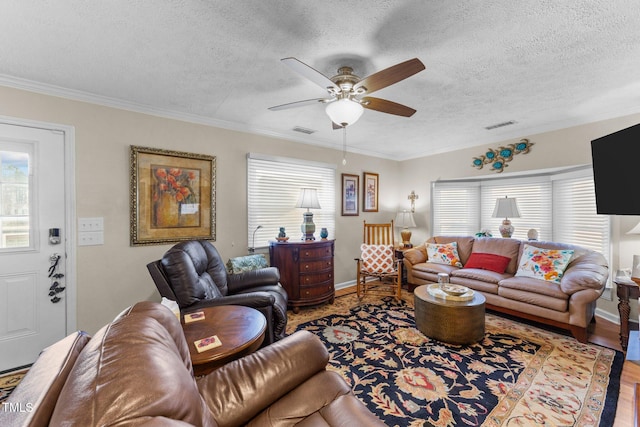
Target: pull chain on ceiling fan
344, 145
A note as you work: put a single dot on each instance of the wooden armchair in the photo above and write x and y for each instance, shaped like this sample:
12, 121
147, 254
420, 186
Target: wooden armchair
378, 270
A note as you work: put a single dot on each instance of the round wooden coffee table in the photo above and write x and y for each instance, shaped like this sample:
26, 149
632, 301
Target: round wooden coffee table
454, 322
240, 330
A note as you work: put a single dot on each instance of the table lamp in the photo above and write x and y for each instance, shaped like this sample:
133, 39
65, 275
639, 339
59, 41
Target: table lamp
308, 199
506, 207
405, 220
635, 268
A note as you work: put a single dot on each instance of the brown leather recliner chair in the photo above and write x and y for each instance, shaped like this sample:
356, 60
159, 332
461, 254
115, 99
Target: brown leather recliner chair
136, 371
193, 274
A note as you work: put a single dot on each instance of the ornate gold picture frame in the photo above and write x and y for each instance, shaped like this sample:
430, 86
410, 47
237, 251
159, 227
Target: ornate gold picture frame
172, 196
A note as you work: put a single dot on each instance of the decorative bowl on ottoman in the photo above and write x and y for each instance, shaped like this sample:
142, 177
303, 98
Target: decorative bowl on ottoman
455, 290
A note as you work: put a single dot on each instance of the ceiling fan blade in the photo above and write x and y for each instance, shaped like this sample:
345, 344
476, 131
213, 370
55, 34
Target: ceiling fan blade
310, 73
385, 106
389, 76
298, 104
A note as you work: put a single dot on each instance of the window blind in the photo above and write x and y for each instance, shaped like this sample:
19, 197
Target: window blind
533, 198
273, 188
455, 208
583, 226
561, 206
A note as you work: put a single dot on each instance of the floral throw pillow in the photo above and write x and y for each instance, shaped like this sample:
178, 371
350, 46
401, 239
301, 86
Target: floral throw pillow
246, 263
377, 258
545, 264
444, 253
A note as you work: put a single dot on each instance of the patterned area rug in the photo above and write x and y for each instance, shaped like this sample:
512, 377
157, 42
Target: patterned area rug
519, 375
9, 380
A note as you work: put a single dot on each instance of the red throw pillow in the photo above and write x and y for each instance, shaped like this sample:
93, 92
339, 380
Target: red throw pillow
491, 262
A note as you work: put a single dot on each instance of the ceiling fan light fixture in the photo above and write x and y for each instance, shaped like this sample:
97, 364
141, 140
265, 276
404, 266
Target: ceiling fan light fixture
344, 112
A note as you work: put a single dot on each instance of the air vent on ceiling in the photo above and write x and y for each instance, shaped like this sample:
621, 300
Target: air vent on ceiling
304, 130
499, 125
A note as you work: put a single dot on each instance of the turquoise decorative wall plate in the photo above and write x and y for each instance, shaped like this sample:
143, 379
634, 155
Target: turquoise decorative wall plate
498, 158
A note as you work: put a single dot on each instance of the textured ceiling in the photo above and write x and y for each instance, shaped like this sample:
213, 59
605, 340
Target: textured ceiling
543, 64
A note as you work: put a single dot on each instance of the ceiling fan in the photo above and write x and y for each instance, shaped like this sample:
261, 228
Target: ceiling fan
348, 93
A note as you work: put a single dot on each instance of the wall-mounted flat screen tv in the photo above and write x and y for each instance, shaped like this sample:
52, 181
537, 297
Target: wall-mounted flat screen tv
616, 172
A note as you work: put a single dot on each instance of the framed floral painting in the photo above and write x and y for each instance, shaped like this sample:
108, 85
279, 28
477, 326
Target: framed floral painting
370, 192
350, 184
172, 196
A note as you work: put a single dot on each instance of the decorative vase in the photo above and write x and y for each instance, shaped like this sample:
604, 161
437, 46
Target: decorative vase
166, 211
308, 227
324, 233
506, 229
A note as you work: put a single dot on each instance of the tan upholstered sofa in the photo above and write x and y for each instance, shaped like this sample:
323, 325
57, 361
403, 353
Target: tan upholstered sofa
136, 371
569, 304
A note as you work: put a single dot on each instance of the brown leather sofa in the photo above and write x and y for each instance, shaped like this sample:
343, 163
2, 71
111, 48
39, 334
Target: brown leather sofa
569, 304
136, 371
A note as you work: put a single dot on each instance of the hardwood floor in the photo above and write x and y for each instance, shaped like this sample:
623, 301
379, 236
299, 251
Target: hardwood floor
607, 334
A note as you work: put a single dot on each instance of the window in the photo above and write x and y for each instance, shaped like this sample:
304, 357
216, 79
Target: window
273, 188
534, 204
455, 208
561, 206
14, 200
576, 194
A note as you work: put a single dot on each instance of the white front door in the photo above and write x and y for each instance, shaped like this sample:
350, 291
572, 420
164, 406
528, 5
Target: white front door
33, 267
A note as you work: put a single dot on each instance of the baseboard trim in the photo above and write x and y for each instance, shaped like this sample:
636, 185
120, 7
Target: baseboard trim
608, 316
344, 285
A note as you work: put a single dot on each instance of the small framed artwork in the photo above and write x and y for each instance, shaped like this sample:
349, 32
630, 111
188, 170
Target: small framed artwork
350, 184
370, 192
172, 196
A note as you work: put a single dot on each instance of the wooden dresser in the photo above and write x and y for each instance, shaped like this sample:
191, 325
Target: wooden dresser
306, 271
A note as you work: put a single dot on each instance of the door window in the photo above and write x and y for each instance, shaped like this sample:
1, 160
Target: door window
14, 200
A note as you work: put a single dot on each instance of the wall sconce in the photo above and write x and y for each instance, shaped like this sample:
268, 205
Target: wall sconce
413, 196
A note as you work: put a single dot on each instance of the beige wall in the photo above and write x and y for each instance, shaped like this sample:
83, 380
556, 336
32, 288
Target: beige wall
113, 276
562, 148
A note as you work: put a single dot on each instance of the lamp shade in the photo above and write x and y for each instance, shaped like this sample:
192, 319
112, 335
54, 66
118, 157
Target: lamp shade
635, 230
344, 112
308, 199
506, 208
404, 219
